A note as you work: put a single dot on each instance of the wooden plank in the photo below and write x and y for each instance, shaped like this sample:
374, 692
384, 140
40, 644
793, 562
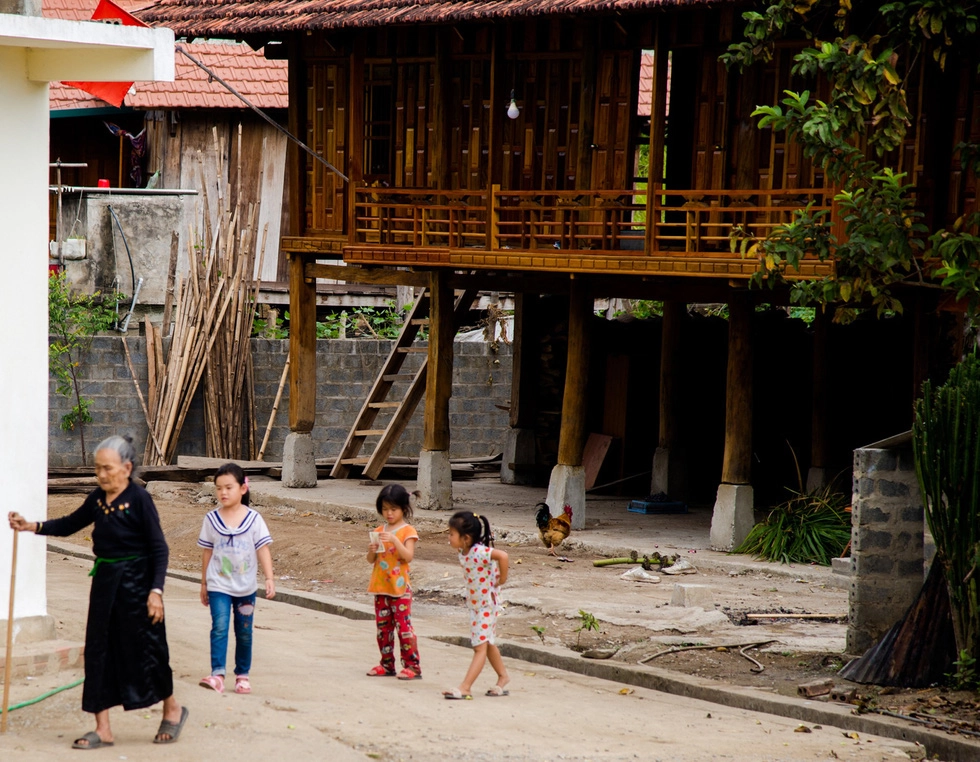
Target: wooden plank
596, 448
270, 193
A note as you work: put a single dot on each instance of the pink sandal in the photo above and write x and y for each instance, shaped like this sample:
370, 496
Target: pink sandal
242, 685
379, 671
214, 682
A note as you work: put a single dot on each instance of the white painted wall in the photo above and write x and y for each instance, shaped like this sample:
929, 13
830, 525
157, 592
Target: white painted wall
34, 51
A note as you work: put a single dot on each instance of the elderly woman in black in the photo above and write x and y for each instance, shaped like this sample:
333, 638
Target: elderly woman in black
126, 656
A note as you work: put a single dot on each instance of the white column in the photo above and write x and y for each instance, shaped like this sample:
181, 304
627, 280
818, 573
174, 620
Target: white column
24, 346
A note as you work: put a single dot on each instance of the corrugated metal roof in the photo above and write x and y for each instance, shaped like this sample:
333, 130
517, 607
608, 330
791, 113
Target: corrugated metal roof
262, 81
216, 18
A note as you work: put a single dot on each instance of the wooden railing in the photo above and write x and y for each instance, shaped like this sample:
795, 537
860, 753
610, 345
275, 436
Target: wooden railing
692, 222
704, 221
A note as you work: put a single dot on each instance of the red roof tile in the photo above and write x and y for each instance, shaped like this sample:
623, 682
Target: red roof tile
231, 18
263, 82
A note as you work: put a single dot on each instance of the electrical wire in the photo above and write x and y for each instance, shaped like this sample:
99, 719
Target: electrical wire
132, 269
211, 73
43, 696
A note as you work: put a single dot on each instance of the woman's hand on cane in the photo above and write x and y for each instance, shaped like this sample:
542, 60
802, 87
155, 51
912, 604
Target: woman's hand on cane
19, 524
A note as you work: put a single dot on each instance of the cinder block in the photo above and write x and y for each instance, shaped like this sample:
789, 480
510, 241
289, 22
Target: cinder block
688, 596
815, 688
841, 566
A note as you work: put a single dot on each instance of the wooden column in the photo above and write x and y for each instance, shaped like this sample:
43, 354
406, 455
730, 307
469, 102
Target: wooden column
441, 137
818, 420
524, 350
302, 347
658, 128
737, 461
439, 380
571, 442
670, 349
587, 108
669, 473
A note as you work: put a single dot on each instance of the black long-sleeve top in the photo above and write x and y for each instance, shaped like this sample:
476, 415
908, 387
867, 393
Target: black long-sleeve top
129, 526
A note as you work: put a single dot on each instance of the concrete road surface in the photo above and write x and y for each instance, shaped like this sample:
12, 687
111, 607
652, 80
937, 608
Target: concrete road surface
312, 701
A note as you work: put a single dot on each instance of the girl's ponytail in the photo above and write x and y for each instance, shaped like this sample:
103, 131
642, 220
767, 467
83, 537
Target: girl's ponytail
473, 525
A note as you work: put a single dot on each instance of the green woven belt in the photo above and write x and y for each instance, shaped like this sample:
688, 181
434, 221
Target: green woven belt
99, 561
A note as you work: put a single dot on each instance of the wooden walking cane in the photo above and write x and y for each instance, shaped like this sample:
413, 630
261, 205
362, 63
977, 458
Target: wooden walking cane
7, 660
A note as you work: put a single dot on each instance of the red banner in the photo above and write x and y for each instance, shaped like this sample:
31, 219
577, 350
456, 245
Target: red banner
111, 92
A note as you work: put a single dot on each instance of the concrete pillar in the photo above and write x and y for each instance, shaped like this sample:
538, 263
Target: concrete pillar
567, 487
435, 481
733, 516
298, 463
887, 546
518, 459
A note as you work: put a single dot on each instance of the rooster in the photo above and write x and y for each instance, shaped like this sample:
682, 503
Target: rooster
553, 529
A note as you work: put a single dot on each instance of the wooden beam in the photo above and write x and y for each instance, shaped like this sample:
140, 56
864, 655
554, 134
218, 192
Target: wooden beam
378, 275
670, 354
737, 462
571, 442
302, 350
439, 381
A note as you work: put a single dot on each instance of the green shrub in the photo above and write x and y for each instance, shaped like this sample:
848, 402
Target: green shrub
810, 527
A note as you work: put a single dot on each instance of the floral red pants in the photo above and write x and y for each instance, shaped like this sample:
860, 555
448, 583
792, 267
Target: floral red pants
391, 613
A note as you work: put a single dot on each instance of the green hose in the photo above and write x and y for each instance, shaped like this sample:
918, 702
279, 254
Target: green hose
46, 695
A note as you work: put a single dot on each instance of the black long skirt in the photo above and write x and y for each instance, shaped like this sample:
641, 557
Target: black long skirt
126, 656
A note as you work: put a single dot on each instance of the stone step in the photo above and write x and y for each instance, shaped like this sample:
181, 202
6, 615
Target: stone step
42, 657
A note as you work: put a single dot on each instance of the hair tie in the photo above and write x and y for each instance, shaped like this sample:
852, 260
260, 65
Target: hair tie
476, 515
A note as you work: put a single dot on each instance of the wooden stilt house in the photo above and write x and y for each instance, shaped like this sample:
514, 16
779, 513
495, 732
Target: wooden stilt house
497, 146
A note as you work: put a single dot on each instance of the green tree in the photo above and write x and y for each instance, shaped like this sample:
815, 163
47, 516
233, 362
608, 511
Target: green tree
867, 52
73, 321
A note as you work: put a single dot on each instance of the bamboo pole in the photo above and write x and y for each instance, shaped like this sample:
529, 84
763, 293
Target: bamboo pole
139, 394
275, 408
8, 661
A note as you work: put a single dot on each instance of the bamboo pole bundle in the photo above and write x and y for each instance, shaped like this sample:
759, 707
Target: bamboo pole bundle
210, 340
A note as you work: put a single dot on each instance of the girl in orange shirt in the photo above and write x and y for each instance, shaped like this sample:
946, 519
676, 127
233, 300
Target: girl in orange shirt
391, 549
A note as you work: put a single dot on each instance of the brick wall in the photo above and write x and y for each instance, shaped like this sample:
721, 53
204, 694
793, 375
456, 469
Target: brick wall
346, 369
887, 548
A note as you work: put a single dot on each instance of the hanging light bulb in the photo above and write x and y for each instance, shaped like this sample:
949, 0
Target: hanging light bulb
512, 111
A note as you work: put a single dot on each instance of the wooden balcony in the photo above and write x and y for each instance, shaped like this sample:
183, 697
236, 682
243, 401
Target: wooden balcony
594, 231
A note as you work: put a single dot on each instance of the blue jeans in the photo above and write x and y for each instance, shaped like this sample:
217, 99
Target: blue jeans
222, 605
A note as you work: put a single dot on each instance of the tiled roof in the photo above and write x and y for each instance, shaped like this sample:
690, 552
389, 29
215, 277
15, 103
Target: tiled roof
643, 105
262, 81
218, 18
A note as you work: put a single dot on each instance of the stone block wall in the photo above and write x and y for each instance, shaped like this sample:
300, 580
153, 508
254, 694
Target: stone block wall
346, 370
887, 522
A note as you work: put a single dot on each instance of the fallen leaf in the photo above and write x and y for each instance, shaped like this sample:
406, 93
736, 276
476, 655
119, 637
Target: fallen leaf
802, 729
851, 734
625, 691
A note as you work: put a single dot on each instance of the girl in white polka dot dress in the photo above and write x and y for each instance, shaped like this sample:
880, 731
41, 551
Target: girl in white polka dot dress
485, 570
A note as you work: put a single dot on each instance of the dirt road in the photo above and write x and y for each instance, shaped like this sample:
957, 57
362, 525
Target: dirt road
311, 701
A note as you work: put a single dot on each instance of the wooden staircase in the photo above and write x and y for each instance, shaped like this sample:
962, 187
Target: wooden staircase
377, 399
